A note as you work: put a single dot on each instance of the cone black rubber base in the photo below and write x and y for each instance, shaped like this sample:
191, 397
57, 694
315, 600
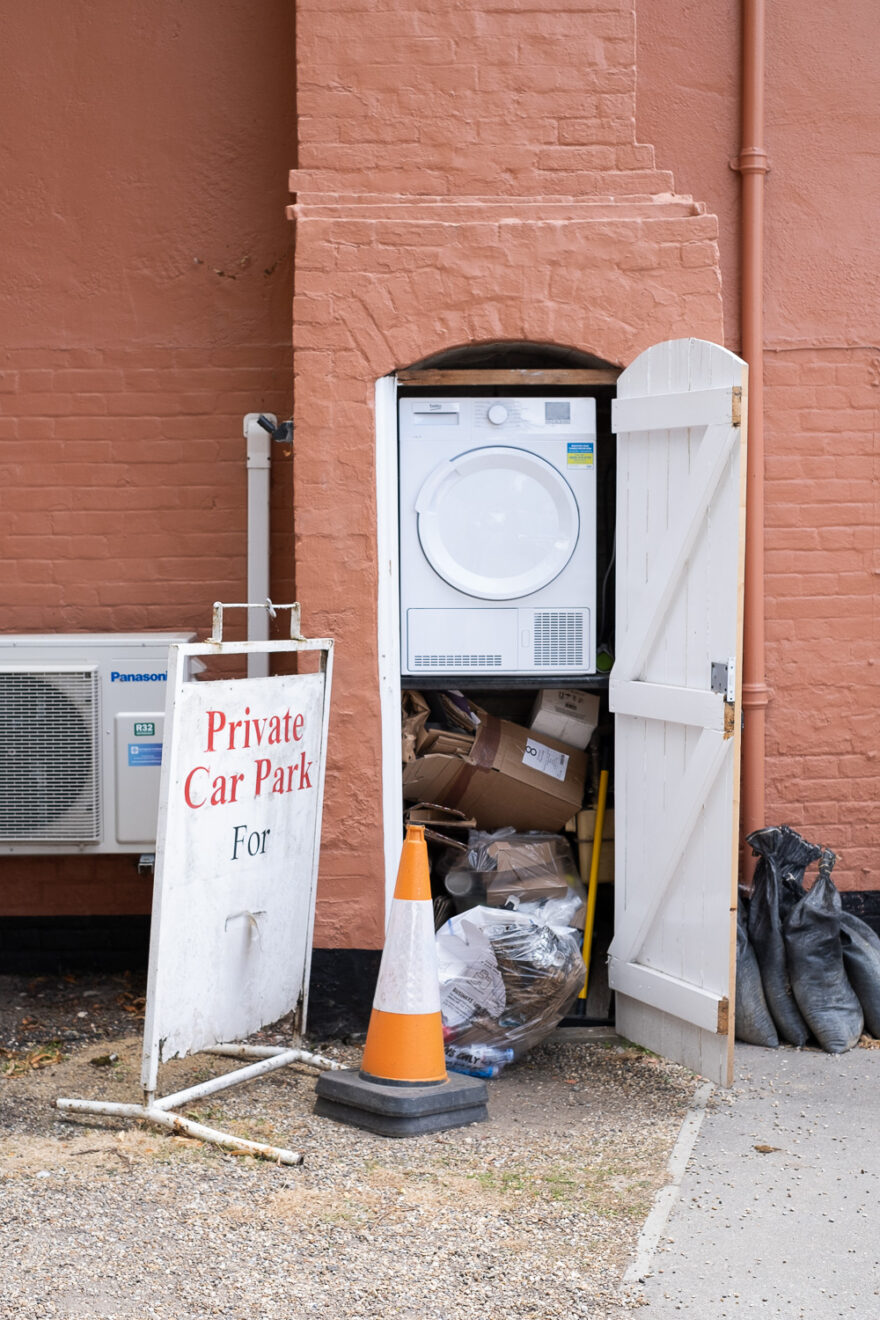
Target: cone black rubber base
393, 1110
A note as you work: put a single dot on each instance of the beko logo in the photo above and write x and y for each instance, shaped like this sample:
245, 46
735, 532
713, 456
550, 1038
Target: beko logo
116, 677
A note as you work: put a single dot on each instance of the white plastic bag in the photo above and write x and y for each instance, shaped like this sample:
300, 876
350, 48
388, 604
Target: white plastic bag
507, 977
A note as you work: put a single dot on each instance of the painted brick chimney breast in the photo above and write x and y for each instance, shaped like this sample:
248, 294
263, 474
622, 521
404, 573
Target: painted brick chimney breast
468, 172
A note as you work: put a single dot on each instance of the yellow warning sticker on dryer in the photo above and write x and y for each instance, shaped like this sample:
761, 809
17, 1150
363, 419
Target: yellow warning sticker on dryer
580, 453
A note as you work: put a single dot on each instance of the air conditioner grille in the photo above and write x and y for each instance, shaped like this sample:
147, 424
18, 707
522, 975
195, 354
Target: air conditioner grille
49, 756
558, 638
457, 661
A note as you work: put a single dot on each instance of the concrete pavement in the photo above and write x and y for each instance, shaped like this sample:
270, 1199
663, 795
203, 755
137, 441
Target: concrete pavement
779, 1206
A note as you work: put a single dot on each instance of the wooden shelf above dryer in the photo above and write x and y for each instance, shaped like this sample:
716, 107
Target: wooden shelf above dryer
565, 376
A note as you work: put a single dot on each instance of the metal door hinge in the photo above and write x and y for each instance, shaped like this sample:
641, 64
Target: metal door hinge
724, 678
723, 681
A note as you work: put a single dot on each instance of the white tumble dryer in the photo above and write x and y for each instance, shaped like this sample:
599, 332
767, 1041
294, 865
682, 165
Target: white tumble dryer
498, 535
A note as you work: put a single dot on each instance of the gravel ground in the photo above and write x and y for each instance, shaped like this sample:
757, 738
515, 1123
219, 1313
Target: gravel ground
533, 1214
35, 1010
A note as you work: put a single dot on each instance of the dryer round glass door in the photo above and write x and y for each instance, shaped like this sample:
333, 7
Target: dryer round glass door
497, 523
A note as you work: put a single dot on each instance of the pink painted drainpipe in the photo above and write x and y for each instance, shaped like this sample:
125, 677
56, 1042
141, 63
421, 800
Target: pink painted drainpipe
753, 165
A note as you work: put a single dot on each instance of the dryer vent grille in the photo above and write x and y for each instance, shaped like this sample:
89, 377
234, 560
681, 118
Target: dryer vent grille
457, 661
49, 756
559, 638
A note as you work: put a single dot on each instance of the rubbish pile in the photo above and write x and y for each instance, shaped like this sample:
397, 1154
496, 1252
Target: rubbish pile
501, 773
510, 961
510, 906
805, 969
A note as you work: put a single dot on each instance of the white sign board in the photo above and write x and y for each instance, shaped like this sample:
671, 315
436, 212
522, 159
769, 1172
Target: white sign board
237, 853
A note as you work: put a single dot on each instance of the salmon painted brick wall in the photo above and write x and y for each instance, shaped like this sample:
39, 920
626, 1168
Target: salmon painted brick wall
822, 375
468, 173
823, 421
145, 281
823, 622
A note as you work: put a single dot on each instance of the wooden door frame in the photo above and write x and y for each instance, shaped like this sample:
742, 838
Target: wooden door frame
388, 556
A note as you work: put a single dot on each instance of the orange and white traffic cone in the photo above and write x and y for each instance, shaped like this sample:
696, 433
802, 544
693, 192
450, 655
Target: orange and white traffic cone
403, 1088
405, 1035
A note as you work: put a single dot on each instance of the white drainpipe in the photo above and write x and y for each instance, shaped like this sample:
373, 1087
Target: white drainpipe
259, 444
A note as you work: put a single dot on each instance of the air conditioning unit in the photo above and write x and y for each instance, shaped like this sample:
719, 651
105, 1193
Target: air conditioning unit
81, 721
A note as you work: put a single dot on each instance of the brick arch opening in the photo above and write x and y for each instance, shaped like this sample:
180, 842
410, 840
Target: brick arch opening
510, 354
496, 367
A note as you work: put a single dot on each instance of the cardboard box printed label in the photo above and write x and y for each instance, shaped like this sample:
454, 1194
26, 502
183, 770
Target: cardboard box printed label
546, 759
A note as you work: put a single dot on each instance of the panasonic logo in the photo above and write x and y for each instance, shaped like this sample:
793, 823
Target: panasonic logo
117, 677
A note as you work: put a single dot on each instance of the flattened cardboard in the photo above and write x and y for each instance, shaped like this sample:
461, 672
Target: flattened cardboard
442, 740
431, 813
441, 824
414, 712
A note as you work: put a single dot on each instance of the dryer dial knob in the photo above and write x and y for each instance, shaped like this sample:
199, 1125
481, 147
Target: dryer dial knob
497, 414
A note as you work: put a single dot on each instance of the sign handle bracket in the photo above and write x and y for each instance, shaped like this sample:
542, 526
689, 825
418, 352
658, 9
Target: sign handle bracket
216, 637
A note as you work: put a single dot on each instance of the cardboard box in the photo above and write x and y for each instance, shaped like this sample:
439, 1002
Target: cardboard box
530, 855
530, 889
509, 776
533, 869
585, 824
504, 885
586, 828
567, 715
606, 862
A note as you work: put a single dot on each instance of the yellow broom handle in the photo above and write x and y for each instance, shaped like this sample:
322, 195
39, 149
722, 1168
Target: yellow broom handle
594, 877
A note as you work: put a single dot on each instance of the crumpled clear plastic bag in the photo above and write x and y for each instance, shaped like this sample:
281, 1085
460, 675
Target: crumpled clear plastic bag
505, 867
507, 977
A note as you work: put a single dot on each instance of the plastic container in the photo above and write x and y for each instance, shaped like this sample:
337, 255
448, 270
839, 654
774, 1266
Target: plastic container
478, 1060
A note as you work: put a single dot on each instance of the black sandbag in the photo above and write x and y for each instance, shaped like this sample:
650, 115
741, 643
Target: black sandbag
790, 894
861, 958
752, 1020
794, 854
765, 936
791, 854
815, 961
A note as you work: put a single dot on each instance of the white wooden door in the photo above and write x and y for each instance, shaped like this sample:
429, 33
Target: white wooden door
680, 423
